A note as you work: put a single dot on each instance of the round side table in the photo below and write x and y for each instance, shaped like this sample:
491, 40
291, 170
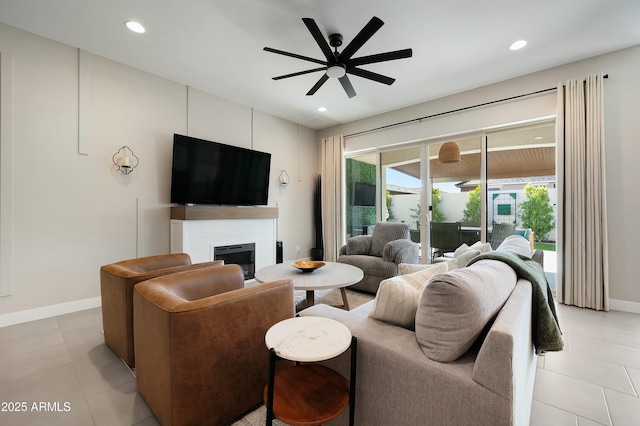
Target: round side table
308, 394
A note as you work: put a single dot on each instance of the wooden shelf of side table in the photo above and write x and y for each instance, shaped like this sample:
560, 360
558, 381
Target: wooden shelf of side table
309, 394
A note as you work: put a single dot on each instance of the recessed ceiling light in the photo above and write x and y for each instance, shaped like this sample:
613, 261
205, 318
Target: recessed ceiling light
136, 27
322, 109
538, 138
518, 45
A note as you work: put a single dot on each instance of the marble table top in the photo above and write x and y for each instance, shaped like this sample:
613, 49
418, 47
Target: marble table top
332, 275
308, 339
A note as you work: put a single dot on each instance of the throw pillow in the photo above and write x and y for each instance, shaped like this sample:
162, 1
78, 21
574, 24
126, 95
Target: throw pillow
397, 297
465, 257
395, 303
420, 278
464, 247
483, 247
409, 268
518, 245
455, 307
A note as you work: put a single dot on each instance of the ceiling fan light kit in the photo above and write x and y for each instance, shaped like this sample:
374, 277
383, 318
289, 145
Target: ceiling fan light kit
340, 64
336, 71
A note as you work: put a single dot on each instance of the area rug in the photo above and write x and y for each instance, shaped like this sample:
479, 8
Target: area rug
333, 297
258, 417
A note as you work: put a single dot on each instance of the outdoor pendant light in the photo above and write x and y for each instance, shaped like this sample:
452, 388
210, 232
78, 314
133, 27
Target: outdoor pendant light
449, 153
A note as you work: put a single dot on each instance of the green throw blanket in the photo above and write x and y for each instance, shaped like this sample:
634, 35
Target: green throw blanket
546, 330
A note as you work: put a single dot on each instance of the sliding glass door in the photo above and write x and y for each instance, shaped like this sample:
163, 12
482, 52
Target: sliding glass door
482, 187
455, 183
521, 188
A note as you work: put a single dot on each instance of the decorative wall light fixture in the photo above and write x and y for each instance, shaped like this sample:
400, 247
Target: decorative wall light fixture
283, 179
449, 153
125, 160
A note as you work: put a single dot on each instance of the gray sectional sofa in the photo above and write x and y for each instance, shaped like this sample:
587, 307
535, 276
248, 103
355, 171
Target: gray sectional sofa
415, 376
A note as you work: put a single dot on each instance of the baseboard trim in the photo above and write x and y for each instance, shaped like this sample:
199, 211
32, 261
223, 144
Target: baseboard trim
48, 311
624, 306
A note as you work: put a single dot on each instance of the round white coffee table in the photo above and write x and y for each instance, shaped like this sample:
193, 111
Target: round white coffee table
331, 275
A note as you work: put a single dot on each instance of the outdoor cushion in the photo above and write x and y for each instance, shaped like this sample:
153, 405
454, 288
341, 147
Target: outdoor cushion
455, 307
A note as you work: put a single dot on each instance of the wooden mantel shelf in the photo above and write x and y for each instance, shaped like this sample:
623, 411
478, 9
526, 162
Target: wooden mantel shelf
222, 212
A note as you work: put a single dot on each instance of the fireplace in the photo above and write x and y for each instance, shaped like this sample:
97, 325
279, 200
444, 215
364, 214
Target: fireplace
239, 254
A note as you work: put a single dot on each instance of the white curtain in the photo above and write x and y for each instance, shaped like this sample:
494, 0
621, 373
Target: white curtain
332, 184
583, 279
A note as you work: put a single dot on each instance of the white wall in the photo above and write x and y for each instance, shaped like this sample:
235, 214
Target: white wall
622, 134
71, 213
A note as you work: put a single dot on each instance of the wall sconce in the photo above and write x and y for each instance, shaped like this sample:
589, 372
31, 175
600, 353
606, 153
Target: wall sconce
449, 153
283, 179
125, 160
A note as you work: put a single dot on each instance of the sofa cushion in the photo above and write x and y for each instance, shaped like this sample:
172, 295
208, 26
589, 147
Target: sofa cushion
397, 298
518, 245
455, 307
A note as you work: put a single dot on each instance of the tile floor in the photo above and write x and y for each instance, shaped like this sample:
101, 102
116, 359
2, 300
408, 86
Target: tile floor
63, 363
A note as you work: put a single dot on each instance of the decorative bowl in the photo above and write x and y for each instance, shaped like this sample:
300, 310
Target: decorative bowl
307, 265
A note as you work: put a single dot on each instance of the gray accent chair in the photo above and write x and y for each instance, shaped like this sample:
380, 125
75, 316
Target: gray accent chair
445, 237
499, 232
379, 254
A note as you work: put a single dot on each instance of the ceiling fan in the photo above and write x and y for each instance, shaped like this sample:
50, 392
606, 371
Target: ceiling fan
339, 64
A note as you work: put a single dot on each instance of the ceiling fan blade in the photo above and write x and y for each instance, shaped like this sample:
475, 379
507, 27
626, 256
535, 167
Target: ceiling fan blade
346, 85
381, 57
320, 82
371, 75
295, 74
361, 38
294, 55
322, 42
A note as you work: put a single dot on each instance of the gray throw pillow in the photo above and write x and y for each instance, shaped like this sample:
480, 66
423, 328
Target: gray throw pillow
456, 306
517, 244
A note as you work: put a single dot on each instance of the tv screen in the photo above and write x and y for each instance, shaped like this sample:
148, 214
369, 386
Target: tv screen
364, 194
206, 172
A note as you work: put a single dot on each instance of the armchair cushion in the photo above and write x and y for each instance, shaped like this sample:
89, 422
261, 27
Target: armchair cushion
360, 244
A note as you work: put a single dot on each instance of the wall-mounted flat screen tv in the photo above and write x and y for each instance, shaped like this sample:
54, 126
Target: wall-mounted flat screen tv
207, 172
364, 194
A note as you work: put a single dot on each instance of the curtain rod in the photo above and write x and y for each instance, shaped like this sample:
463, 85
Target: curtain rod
419, 119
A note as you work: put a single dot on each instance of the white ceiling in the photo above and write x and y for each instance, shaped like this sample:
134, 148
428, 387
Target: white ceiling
216, 45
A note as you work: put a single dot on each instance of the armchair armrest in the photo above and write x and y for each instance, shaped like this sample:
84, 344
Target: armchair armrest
360, 244
400, 251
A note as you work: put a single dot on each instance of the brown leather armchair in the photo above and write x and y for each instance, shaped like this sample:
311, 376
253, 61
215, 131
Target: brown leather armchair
116, 289
199, 337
